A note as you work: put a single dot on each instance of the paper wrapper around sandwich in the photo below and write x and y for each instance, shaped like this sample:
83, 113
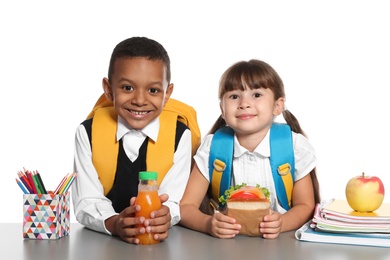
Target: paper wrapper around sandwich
248, 214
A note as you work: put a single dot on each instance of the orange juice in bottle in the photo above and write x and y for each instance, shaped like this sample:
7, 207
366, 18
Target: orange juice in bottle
149, 201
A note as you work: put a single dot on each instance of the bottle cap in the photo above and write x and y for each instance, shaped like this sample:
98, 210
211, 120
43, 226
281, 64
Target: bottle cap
148, 175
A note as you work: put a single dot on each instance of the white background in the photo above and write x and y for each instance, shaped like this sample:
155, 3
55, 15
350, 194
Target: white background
332, 55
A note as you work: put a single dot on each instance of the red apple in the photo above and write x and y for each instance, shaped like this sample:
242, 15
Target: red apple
365, 193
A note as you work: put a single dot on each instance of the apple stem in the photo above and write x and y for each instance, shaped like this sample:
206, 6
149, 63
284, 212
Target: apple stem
363, 174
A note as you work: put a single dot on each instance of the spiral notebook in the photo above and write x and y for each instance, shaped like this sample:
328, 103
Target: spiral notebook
337, 216
335, 222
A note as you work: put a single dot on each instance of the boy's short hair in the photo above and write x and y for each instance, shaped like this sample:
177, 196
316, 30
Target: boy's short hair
140, 47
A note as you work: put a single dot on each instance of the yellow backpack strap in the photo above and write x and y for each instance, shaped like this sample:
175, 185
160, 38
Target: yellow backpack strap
104, 145
284, 171
218, 169
187, 115
174, 110
159, 156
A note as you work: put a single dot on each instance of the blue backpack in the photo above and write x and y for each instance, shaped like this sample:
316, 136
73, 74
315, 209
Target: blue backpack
281, 160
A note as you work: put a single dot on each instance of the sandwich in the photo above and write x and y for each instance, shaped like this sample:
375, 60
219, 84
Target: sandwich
248, 205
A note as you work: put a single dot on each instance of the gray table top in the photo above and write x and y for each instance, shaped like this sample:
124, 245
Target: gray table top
182, 243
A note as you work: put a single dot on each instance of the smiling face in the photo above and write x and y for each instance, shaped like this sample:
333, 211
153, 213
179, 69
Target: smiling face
250, 111
251, 94
139, 90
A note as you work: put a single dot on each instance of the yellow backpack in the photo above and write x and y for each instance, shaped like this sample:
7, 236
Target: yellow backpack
159, 156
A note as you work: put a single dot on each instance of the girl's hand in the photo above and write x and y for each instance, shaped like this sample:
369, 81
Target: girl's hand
271, 225
222, 226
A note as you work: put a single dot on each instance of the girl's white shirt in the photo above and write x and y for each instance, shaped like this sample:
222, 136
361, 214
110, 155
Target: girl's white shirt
254, 167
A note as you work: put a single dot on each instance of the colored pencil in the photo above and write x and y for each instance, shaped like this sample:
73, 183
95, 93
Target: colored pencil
21, 186
61, 183
37, 183
30, 178
42, 186
34, 177
65, 183
69, 183
25, 181
24, 172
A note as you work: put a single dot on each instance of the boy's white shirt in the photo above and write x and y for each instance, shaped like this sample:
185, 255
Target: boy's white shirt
254, 167
91, 207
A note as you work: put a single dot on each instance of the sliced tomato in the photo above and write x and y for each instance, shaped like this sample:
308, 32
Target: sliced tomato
247, 192
244, 194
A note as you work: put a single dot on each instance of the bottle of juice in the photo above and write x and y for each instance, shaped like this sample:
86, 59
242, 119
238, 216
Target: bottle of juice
149, 201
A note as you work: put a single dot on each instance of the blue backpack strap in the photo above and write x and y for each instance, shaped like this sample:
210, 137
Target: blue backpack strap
282, 162
221, 161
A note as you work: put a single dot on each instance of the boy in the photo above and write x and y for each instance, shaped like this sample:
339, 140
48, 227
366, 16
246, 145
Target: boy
127, 124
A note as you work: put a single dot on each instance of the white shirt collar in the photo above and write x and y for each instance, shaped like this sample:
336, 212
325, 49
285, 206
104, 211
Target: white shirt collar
150, 130
263, 148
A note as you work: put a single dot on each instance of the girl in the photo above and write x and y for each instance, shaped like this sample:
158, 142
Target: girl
251, 96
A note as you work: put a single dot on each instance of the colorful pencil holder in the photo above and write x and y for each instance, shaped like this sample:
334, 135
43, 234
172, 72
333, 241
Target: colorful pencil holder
46, 216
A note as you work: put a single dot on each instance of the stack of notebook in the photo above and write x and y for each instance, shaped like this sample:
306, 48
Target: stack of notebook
336, 222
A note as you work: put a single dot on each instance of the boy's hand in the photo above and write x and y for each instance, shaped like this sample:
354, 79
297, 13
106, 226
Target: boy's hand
271, 225
124, 223
222, 226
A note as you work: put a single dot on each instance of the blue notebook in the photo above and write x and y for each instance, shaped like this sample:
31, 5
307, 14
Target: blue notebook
306, 233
